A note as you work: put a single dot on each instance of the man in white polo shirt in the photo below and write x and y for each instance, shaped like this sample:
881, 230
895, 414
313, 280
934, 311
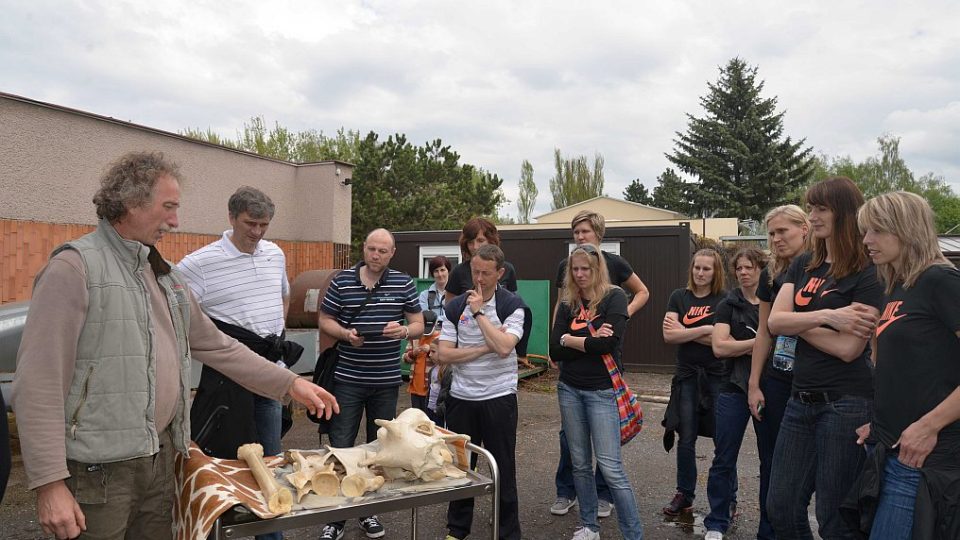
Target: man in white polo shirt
490, 327
241, 281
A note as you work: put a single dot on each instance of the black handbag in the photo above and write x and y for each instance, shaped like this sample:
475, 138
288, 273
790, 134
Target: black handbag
327, 366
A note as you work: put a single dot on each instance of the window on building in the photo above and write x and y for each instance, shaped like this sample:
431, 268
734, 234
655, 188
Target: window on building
450, 251
610, 247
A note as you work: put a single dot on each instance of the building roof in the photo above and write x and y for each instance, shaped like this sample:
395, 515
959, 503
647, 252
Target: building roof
949, 244
614, 210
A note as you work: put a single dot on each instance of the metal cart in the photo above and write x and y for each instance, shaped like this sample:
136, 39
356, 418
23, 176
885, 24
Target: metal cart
236, 524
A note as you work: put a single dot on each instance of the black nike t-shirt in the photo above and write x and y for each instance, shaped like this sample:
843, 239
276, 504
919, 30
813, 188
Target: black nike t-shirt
743, 319
693, 312
618, 269
918, 356
587, 370
767, 292
461, 279
815, 370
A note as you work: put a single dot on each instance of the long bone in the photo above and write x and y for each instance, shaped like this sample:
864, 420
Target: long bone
279, 499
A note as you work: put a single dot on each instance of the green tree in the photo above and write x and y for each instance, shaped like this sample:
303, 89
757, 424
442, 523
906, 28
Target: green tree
396, 184
672, 193
888, 171
737, 152
528, 192
638, 193
574, 181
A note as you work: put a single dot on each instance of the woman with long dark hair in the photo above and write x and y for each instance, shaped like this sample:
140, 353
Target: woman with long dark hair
734, 333
916, 414
771, 370
590, 320
689, 324
830, 301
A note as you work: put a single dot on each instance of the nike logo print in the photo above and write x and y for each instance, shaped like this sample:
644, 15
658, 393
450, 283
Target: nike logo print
826, 292
690, 320
811, 287
884, 326
578, 325
890, 315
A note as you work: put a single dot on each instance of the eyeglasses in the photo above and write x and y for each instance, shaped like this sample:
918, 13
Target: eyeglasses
591, 249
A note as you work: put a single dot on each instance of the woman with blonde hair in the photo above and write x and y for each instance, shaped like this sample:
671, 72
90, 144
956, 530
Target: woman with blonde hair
916, 413
768, 389
689, 324
830, 301
590, 320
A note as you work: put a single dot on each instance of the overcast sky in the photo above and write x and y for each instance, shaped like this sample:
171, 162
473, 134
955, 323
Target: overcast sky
502, 81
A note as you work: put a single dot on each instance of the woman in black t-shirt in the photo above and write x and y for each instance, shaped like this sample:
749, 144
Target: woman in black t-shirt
734, 332
590, 320
829, 300
689, 324
769, 385
476, 232
916, 419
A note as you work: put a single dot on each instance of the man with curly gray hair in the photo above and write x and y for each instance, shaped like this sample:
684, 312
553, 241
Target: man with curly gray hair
104, 368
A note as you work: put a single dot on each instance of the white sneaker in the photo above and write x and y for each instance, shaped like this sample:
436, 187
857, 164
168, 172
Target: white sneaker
713, 535
584, 533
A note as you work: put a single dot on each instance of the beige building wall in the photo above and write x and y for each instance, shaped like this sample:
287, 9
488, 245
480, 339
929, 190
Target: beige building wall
613, 210
52, 159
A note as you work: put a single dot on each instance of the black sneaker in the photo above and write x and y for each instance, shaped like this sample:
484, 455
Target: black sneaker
371, 527
680, 503
331, 532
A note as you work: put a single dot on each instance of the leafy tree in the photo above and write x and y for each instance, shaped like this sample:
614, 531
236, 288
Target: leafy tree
528, 192
638, 193
737, 152
396, 184
574, 181
672, 193
888, 171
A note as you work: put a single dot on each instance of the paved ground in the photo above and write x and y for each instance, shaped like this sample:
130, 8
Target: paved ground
651, 470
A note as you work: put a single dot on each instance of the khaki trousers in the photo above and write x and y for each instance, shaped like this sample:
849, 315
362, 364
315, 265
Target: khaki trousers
127, 500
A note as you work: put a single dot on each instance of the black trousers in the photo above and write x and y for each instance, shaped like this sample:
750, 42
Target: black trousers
491, 423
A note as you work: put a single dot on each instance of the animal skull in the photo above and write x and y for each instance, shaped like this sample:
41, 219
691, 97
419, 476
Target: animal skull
412, 448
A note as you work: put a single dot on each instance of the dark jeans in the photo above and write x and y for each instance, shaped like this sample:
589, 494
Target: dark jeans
492, 423
689, 426
732, 414
564, 476
354, 401
267, 417
816, 451
776, 394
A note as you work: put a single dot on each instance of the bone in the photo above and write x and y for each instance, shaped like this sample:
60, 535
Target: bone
412, 448
311, 473
279, 499
355, 485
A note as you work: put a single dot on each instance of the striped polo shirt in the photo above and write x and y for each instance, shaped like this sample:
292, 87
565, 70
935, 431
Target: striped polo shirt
239, 288
489, 376
376, 363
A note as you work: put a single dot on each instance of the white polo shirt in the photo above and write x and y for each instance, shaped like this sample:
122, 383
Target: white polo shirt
489, 376
239, 288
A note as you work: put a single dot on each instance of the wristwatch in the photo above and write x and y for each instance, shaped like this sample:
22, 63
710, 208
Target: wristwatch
478, 313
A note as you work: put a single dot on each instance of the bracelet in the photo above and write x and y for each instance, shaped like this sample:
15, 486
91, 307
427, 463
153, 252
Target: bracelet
407, 335
563, 340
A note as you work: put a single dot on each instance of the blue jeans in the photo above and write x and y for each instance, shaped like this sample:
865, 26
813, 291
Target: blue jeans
564, 476
898, 494
592, 425
732, 414
688, 408
776, 394
816, 451
378, 403
266, 414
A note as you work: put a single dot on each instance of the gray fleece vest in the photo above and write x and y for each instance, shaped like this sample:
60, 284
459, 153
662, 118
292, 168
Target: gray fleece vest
110, 405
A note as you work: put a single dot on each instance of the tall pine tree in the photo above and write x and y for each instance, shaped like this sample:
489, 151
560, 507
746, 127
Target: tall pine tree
638, 193
737, 153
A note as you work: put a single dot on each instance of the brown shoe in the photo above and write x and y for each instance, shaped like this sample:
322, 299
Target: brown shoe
680, 503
